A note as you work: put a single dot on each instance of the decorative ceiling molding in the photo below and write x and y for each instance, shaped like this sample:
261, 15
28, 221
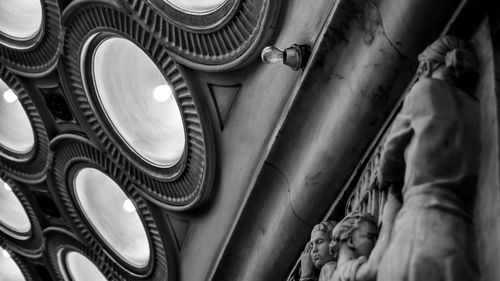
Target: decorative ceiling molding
28, 244
205, 22
180, 228
60, 241
71, 154
227, 38
31, 166
26, 268
46, 45
224, 98
187, 183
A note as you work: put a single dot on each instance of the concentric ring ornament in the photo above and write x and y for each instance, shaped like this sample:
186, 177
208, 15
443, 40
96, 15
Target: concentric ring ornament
14, 266
178, 184
20, 226
210, 36
28, 162
106, 211
30, 35
68, 258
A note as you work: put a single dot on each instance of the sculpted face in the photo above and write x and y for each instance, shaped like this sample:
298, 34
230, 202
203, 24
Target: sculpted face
320, 253
364, 238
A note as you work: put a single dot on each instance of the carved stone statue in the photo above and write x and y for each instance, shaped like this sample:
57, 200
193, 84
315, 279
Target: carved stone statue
353, 240
355, 245
317, 254
432, 152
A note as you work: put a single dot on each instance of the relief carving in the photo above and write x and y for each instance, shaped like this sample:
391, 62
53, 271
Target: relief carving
419, 183
355, 245
367, 197
432, 151
316, 255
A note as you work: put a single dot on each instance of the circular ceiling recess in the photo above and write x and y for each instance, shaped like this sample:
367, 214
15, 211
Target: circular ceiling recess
14, 266
214, 35
20, 226
13, 218
105, 209
80, 268
138, 104
196, 7
9, 269
20, 20
24, 144
16, 133
112, 215
30, 34
71, 260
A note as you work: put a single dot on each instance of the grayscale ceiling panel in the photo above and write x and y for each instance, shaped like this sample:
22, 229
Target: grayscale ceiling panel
30, 34
106, 210
216, 35
138, 105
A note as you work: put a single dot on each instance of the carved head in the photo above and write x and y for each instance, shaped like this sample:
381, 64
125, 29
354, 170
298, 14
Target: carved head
454, 58
320, 239
358, 231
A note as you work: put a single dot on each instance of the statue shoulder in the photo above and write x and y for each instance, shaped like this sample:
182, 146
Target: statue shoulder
431, 85
327, 271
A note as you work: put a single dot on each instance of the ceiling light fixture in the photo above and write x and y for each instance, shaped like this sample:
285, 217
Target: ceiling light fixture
196, 6
16, 133
152, 128
9, 269
80, 268
13, 217
103, 203
20, 20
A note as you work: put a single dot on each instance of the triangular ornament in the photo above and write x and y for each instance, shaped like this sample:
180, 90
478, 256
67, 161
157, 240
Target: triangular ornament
224, 97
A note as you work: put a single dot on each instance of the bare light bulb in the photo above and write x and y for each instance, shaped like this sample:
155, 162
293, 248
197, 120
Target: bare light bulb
5, 253
128, 206
7, 187
9, 96
272, 55
162, 93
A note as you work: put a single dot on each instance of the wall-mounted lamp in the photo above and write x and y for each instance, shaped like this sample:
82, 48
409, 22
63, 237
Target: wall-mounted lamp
295, 56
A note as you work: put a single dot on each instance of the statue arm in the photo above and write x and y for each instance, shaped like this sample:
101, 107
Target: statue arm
392, 162
306, 265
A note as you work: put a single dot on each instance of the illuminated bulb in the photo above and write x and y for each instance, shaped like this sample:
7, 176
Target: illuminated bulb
162, 93
6, 187
272, 55
128, 206
9, 96
5, 253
